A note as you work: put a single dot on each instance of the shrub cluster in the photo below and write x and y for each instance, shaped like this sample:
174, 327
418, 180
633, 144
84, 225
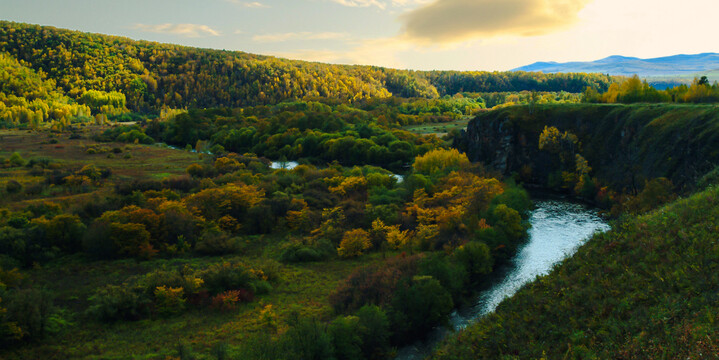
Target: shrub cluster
162, 293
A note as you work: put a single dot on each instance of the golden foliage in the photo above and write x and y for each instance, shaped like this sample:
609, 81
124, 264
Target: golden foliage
232, 199
397, 239
458, 193
552, 140
349, 185
441, 161
354, 242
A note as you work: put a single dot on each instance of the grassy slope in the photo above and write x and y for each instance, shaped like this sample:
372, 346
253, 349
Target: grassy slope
439, 129
144, 162
649, 289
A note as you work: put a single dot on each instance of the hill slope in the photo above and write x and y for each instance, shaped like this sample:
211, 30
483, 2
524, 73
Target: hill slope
153, 75
645, 290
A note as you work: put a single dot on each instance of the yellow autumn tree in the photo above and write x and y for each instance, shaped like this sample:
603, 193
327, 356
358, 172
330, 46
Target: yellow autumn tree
354, 243
440, 161
397, 239
231, 199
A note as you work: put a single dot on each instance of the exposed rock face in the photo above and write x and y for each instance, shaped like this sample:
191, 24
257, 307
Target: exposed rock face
624, 144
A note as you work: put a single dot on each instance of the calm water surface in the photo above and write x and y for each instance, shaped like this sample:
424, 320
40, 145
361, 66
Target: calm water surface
558, 229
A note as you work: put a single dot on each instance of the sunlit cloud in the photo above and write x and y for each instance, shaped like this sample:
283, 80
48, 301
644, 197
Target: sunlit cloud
298, 36
381, 51
382, 4
447, 21
361, 3
186, 30
249, 4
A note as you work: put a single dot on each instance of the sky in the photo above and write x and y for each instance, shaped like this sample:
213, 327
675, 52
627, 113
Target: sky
407, 34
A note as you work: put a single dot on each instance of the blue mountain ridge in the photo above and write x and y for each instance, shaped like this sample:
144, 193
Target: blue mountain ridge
676, 65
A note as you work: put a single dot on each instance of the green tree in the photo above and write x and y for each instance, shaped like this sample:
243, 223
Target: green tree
419, 306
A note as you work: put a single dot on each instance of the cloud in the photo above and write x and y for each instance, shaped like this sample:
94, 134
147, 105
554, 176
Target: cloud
361, 3
381, 4
447, 21
380, 51
186, 30
294, 36
249, 4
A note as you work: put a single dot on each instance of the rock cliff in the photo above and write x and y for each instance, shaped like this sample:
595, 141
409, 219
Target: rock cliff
624, 144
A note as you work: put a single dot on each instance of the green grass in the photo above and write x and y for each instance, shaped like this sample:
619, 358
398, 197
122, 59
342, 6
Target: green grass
439, 129
645, 290
145, 162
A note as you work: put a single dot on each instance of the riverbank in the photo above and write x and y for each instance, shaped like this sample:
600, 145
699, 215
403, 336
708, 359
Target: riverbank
559, 227
644, 290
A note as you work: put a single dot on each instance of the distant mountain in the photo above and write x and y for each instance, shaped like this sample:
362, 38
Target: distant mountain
676, 66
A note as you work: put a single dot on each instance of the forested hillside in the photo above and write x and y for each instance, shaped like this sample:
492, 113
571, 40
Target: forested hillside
153, 75
25, 97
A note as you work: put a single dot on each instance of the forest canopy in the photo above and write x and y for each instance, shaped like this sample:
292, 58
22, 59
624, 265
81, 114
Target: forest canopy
153, 75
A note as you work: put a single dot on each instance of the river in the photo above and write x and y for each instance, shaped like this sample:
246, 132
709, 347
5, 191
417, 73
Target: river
558, 229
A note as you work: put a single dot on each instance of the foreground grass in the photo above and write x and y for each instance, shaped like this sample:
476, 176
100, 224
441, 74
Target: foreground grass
648, 289
301, 288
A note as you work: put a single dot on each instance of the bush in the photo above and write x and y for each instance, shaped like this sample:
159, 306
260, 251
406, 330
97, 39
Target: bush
509, 229
13, 242
260, 219
450, 273
298, 252
419, 307
475, 257
30, 310
169, 300
373, 284
261, 347
230, 299
34, 189
214, 241
517, 199
354, 242
13, 187
307, 340
41, 162
346, 340
228, 276
201, 171
65, 231
440, 161
262, 287
16, 160
113, 303
98, 242
182, 183
374, 331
